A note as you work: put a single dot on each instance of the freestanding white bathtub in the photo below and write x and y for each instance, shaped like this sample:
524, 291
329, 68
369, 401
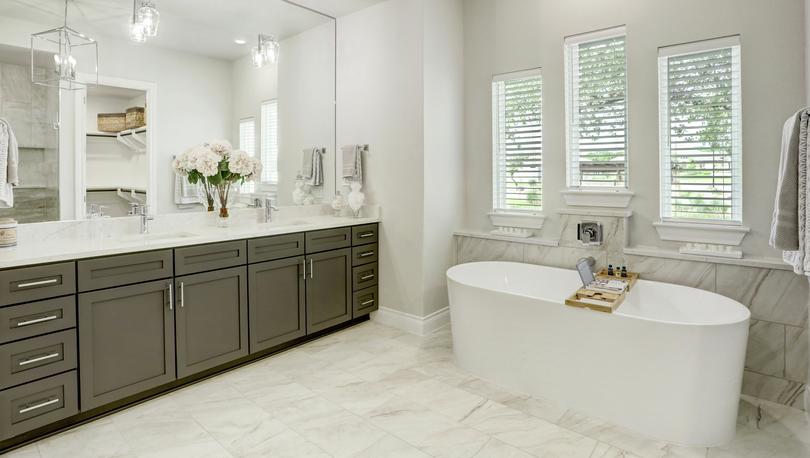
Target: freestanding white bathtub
668, 363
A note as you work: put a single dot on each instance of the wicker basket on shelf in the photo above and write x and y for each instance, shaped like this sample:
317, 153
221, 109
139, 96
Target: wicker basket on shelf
112, 122
136, 117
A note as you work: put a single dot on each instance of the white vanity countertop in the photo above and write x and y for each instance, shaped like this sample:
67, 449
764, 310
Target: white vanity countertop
65, 241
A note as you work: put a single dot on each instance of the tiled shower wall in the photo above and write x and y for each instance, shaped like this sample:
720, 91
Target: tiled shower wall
777, 359
32, 110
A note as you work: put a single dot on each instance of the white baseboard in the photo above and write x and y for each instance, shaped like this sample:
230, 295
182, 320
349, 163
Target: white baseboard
414, 324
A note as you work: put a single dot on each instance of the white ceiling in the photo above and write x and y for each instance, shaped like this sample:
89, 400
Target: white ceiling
206, 27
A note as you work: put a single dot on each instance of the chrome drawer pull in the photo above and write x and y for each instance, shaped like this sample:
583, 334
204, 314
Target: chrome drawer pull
182, 295
368, 302
171, 296
38, 283
304, 265
366, 254
311, 269
367, 277
37, 359
39, 406
37, 320
366, 235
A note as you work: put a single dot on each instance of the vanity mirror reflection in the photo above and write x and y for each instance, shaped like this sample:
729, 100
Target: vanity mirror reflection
257, 73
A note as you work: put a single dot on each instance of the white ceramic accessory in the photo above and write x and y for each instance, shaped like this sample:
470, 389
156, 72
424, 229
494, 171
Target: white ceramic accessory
356, 199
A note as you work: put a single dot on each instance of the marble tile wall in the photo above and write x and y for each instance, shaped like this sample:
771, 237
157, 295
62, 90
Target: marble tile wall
779, 341
32, 111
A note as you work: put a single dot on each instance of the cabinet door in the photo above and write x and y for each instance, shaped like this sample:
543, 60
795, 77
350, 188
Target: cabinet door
126, 341
212, 322
277, 302
329, 289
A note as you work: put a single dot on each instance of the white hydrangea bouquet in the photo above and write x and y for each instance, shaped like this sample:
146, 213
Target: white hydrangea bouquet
216, 166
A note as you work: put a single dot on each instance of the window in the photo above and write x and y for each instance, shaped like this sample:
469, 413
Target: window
701, 142
247, 143
596, 107
270, 141
517, 131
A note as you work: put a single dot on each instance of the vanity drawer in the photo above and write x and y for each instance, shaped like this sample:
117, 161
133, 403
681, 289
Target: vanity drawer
31, 406
38, 357
365, 301
101, 273
367, 233
364, 276
277, 247
203, 258
364, 254
37, 318
39, 282
328, 239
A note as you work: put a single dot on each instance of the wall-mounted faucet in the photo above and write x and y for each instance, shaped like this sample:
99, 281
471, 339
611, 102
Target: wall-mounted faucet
589, 233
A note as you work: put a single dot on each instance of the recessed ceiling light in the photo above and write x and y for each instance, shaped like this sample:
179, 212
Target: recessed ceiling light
240, 41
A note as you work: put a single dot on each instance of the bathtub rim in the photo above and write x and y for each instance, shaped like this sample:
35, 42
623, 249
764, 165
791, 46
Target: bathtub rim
746, 311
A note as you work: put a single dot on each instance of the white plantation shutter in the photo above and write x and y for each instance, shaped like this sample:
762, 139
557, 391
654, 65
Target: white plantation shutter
247, 143
701, 140
270, 141
596, 107
517, 130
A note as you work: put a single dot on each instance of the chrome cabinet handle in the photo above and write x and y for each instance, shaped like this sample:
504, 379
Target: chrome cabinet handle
182, 295
37, 320
39, 406
311, 270
304, 266
367, 277
171, 296
37, 359
366, 235
37, 283
366, 254
368, 302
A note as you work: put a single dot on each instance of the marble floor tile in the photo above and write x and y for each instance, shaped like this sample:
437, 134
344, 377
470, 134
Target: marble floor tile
408, 401
98, 439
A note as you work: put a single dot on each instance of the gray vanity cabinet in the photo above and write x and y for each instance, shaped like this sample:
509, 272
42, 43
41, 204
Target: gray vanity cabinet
212, 323
126, 341
329, 289
277, 302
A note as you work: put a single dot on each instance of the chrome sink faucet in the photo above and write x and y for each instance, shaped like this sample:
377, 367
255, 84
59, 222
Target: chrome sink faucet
268, 210
143, 212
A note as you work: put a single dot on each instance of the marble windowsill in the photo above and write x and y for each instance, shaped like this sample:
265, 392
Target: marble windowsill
63, 241
653, 252
503, 238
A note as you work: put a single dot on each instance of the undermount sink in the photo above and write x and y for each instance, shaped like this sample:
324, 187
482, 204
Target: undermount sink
157, 237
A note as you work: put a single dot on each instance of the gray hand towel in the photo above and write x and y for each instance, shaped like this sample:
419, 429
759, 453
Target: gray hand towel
306, 163
353, 163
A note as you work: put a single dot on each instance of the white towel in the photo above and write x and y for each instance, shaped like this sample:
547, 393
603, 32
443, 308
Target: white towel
312, 166
186, 193
9, 163
353, 163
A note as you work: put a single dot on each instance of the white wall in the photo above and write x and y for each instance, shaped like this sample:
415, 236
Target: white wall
380, 102
400, 90
444, 144
506, 35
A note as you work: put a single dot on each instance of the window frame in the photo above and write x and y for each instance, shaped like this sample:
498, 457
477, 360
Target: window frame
697, 47
497, 198
248, 187
570, 43
268, 184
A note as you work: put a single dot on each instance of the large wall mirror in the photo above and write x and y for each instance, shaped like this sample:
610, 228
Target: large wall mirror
95, 149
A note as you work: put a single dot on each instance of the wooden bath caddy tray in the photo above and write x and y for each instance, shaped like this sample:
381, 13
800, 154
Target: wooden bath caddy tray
602, 301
